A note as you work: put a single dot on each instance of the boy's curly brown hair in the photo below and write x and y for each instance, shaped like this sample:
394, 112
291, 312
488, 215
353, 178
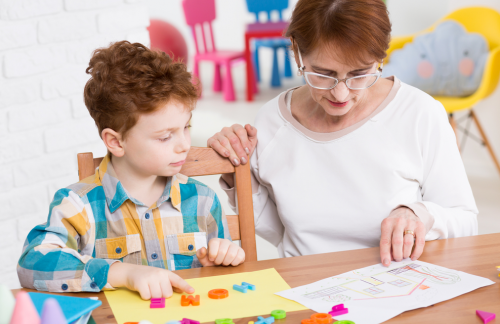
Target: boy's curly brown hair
130, 79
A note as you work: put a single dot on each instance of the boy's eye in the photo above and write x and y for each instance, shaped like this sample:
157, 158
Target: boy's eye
187, 126
165, 139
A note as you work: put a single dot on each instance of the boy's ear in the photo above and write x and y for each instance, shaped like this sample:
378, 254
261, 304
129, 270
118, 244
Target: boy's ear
113, 141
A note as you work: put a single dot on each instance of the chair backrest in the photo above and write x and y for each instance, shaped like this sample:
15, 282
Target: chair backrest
482, 20
267, 6
199, 16
485, 21
203, 161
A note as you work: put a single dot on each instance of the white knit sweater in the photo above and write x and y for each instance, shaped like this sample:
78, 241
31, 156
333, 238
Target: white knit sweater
325, 192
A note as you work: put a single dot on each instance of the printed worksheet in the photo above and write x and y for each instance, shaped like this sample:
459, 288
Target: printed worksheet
376, 293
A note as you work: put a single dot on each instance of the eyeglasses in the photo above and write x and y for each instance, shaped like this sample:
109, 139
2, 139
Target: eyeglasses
324, 82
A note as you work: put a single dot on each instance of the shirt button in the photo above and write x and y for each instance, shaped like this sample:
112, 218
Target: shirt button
154, 256
93, 285
64, 287
147, 215
118, 250
190, 247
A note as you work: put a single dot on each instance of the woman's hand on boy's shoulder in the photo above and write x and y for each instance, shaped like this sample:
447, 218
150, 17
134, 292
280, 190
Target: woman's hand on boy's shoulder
149, 282
236, 143
221, 252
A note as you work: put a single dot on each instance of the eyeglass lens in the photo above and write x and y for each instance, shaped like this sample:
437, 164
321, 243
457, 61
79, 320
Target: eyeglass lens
323, 82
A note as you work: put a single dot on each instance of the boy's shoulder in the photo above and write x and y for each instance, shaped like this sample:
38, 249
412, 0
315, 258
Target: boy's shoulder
85, 186
198, 188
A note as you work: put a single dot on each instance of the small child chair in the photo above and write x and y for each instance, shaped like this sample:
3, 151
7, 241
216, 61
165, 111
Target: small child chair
199, 16
267, 6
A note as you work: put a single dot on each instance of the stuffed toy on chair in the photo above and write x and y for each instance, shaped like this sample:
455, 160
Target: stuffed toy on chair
448, 61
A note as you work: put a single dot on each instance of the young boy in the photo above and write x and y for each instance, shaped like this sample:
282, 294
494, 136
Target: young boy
136, 218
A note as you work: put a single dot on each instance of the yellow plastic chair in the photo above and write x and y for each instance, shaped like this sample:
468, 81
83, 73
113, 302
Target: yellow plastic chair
486, 22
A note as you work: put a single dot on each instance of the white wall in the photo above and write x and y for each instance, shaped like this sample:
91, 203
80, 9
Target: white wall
45, 47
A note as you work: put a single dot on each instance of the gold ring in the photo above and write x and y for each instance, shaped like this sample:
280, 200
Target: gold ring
409, 232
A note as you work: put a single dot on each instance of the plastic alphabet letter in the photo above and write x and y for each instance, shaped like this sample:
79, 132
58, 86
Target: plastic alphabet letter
262, 320
190, 300
485, 316
338, 310
157, 303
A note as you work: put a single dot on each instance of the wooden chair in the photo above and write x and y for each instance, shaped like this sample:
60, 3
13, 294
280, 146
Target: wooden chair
203, 161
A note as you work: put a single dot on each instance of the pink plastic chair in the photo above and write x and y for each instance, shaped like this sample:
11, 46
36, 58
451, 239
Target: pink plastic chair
199, 15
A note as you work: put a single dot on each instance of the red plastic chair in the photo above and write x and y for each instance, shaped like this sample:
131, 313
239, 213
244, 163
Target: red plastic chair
199, 15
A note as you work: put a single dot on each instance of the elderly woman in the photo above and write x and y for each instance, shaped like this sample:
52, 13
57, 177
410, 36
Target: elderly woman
350, 160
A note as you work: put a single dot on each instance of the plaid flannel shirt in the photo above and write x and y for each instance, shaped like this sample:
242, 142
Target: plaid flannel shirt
94, 223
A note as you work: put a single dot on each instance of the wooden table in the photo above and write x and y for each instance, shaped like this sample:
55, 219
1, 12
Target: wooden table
259, 30
478, 255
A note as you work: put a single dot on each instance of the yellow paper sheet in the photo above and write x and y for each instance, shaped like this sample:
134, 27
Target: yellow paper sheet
127, 306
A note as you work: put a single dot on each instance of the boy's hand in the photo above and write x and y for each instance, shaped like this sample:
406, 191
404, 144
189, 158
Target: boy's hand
149, 282
221, 251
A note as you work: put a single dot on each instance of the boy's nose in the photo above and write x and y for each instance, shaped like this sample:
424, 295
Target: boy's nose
184, 144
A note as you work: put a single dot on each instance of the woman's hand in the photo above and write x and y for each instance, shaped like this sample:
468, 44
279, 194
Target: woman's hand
394, 244
236, 143
149, 282
221, 252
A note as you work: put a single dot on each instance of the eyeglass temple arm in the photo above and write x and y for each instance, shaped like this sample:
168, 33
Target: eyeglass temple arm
301, 67
381, 66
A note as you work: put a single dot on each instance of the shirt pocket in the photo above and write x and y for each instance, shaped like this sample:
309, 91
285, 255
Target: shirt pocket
186, 243
126, 248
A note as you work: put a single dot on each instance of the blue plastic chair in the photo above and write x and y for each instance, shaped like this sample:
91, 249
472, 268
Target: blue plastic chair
267, 6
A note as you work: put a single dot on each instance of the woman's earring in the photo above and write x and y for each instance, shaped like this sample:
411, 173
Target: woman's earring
299, 72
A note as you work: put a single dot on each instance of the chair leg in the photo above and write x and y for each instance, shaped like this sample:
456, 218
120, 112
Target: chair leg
217, 86
228, 83
255, 85
196, 69
196, 73
256, 65
453, 124
275, 79
485, 140
288, 64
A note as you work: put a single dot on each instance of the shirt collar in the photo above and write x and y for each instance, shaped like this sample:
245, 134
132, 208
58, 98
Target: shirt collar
116, 194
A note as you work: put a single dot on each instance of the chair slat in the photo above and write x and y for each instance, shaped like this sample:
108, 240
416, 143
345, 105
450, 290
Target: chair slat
233, 223
245, 210
97, 161
203, 161
85, 165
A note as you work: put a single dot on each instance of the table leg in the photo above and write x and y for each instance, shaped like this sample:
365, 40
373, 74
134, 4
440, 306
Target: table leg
248, 58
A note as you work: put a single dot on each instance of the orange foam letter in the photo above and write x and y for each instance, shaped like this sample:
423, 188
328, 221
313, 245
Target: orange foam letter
190, 300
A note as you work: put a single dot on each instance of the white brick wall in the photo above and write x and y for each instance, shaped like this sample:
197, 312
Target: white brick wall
45, 46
